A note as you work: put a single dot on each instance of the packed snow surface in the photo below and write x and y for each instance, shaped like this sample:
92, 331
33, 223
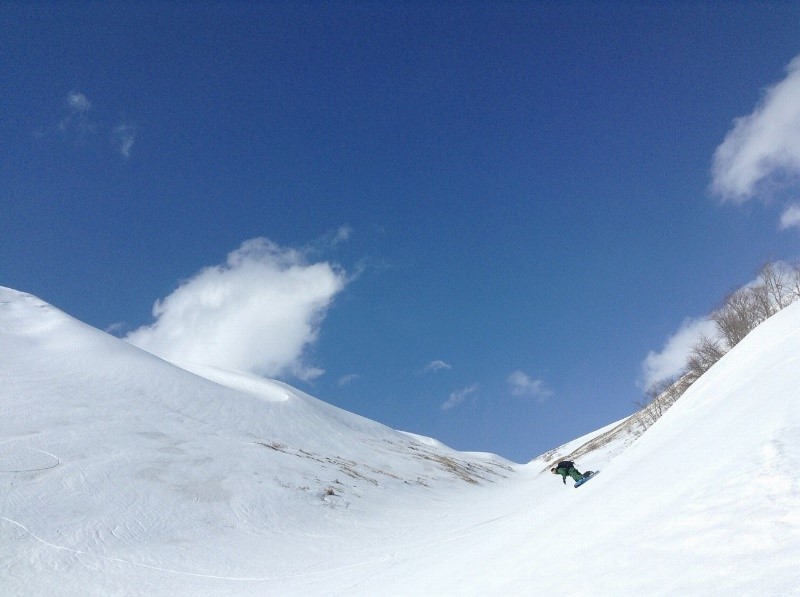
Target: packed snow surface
123, 474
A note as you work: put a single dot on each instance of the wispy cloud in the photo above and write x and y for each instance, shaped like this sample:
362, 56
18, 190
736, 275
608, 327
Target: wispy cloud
435, 366
346, 380
457, 397
80, 124
259, 312
328, 241
115, 328
791, 217
76, 123
78, 102
342, 234
520, 384
123, 137
670, 361
763, 148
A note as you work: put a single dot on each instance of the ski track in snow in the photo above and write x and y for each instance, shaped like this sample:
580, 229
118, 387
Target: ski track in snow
305, 571
32, 469
128, 562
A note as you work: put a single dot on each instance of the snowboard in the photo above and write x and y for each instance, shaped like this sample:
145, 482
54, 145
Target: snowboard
586, 478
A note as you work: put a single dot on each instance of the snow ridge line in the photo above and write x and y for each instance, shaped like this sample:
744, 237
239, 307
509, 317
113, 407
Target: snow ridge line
121, 561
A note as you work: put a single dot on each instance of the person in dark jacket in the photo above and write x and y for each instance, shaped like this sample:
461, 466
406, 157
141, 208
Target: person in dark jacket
567, 468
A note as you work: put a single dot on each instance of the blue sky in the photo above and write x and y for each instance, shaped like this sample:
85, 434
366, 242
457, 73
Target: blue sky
473, 222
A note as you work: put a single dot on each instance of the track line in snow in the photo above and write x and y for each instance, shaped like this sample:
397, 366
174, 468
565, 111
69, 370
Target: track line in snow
137, 564
41, 468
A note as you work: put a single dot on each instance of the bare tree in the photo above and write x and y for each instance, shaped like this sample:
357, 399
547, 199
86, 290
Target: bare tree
763, 302
740, 314
704, 355
778, 285
794, 282
659, 397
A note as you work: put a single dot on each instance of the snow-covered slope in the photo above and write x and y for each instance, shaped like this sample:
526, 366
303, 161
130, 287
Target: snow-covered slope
706, 502
124, 474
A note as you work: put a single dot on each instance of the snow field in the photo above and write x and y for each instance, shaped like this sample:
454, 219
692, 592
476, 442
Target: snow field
126, 475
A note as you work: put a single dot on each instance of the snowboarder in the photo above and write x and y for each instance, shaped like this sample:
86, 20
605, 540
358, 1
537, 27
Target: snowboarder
567, 468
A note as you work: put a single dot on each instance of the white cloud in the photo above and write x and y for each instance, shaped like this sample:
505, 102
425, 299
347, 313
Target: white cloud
328, 241
76, 122
459, 396
79, 126
78, 102
791, 217
763, 145
435, 366
671, 359
347, 379
115, 328
123, 137
522, 385
342, 234
258, 312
